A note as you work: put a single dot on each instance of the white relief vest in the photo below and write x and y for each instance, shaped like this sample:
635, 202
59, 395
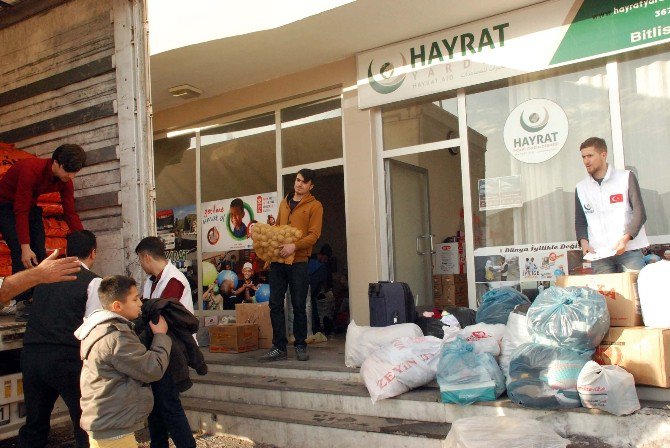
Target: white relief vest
607, 210
169, 272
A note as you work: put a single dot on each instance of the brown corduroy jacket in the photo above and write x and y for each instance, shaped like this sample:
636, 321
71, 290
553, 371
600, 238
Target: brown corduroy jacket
306, 216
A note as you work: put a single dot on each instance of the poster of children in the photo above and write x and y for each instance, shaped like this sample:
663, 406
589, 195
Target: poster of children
227, 223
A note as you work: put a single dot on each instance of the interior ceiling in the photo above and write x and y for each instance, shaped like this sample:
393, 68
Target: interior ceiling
234, 62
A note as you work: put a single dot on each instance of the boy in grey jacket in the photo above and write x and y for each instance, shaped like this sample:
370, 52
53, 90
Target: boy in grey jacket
115, 397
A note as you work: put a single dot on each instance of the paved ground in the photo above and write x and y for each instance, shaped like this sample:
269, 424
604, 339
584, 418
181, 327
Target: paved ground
61, 437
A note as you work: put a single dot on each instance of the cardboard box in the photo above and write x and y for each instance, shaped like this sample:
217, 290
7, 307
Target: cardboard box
256, 313
233, 338
620, 291
449, 258
12, 388
452, 295
642, 351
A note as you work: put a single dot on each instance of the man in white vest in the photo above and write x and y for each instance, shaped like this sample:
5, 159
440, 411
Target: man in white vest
609, 213
167, 419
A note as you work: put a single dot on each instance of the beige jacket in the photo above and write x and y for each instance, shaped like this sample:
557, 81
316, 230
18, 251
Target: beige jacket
115, 394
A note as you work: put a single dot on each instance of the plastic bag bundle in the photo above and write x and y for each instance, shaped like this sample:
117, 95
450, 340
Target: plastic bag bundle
465, 377
404, 364
507, 432
652, 285
608, 388
363, 341
516, 334
542, 376
498, 303
574, 318
485, 338
269, 239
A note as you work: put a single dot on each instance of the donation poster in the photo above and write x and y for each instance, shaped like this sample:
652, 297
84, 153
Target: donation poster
496, 193
227, 223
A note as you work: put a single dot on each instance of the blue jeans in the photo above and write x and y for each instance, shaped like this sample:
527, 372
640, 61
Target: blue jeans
283, 276
168, 419
627, 261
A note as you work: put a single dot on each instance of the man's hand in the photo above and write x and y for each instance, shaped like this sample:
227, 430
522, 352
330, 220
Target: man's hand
287, 250
28, 257
52, 270
586, 247
620, 246
160, 328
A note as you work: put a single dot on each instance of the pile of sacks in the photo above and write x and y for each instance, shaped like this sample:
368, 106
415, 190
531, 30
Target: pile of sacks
55, 228
540, 352
269, 239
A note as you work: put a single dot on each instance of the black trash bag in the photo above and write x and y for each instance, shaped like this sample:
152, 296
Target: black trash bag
430, 326
464, 315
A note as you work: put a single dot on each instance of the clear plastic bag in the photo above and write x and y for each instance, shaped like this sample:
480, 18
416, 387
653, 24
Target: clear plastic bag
542, 376
652, 285
574, 318
498, 303
465, 377
608, 388
516, 333
507, 432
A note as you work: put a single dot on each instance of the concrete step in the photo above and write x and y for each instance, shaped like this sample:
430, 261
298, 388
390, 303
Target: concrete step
299, 428
306, 394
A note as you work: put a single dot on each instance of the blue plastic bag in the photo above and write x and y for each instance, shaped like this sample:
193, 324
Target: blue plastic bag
498, 303
541, 376
465, 377
574, 318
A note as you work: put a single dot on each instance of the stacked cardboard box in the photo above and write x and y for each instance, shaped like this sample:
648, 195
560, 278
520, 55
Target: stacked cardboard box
642, 351
233, 338
256, 313
450, 290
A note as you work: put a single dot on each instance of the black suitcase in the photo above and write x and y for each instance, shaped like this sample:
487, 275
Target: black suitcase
390, 303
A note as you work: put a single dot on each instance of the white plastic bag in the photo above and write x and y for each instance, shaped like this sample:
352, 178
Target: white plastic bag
450, 333
516, 333
404, 364
485, 338
362, 341
652, 286
608, 388
507, 432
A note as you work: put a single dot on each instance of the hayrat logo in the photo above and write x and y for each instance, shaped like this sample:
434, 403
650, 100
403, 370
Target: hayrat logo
536, 121
385, 82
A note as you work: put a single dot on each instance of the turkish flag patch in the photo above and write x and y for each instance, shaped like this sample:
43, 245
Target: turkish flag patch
616, 198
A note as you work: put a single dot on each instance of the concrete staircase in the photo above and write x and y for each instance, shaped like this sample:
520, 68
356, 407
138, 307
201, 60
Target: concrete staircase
322, 403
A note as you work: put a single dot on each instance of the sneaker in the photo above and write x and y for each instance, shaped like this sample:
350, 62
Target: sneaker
301, 353
274, 354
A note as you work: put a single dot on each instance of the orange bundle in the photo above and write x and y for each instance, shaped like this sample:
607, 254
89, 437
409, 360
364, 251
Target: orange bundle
54, 227
10, 155
53, 243
49, 209
4, 249
5, 262
48, 198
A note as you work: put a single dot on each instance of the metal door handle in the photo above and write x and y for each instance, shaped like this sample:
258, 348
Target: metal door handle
418, 245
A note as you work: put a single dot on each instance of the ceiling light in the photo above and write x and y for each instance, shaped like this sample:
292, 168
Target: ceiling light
185, 91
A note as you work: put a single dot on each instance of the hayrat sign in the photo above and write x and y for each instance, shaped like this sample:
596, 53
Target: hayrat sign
526, 40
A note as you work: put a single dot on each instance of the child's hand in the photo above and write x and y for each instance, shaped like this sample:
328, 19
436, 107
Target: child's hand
160, 328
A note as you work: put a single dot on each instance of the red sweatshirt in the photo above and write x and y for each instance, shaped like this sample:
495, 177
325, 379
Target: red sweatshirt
24, 182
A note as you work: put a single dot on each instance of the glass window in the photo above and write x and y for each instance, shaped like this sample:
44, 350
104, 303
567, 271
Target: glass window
238, 159
174, 171
544, 190
417, 123
645, 119
311, 132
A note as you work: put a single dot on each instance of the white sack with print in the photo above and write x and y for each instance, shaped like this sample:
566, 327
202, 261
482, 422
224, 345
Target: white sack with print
608, 388
516, 333
402, 365
485, 338
362, 340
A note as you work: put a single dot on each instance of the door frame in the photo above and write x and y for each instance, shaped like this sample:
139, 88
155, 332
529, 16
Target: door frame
462, 143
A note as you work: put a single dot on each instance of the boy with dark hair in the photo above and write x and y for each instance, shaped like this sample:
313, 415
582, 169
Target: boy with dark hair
167, 419
50, 359
117, 365
236, 216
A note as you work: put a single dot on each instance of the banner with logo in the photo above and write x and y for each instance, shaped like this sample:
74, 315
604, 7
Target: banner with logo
549, 34
227, 223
